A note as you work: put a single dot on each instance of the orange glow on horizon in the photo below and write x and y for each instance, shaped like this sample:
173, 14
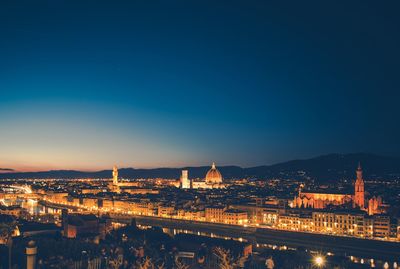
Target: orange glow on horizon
88, 168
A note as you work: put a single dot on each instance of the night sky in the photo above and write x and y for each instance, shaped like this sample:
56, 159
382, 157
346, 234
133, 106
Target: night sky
89, 84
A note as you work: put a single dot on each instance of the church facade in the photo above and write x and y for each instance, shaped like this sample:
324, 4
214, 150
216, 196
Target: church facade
321, 200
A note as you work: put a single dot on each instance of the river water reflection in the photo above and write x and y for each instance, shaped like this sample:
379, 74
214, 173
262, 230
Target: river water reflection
34, 208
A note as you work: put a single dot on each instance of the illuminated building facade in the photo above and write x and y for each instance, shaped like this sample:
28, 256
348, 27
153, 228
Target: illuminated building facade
381, 227
215, 213
337, 223
296, 222
166, 211
198, 215
143, 207
321, 200
260, 213
342, 223
222, 214
235, 217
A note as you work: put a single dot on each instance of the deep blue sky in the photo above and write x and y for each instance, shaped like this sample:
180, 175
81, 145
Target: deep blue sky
86, 84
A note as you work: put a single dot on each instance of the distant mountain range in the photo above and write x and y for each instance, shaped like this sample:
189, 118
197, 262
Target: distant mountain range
6, 169
323, 168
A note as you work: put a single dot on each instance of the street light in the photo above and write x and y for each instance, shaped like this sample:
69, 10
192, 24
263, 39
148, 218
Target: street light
319, 261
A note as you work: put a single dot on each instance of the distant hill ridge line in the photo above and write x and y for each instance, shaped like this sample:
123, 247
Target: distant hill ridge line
324, 168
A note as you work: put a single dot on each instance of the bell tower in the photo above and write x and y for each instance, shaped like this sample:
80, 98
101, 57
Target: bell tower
359, 194
115, 175
114, 186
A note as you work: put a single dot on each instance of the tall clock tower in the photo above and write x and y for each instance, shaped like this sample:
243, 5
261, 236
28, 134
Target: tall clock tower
115, 175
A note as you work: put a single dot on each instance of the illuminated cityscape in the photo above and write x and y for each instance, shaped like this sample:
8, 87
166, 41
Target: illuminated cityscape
199, 135
90, 209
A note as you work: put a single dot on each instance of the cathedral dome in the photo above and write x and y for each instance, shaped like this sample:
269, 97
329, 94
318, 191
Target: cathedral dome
213, 176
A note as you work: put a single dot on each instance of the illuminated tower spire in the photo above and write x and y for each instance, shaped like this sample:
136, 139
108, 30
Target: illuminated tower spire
213, 166
359, 194
115, 175
359, 171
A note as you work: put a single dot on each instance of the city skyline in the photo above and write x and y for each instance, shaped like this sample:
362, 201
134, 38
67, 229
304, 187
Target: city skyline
87, 86
199, 134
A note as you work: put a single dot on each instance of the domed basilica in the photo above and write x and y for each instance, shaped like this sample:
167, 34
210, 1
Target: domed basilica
213, 176
212, 180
